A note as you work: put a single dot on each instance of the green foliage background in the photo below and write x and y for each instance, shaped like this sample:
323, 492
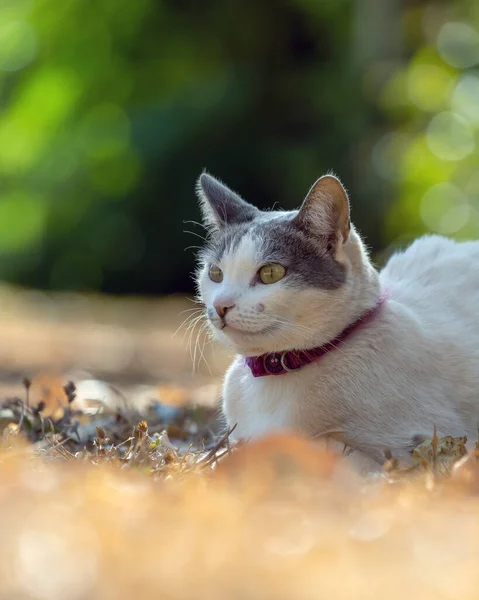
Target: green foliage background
110, 109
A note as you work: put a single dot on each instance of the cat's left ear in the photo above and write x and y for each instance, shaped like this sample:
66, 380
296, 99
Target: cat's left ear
221, 206
325, 211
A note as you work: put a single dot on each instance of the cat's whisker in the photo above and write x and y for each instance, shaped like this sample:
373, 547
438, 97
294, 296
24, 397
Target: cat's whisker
202, 238
187, 321
195, 300
206, 339
190, 222
191, 330
202, 339
195, 308
195, 347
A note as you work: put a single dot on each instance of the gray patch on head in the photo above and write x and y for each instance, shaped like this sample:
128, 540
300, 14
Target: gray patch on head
308, 262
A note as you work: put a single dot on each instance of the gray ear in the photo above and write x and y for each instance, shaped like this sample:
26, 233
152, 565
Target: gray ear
221, 206
325, 211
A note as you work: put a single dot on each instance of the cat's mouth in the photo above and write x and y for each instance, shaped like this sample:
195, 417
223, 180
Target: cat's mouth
231, 329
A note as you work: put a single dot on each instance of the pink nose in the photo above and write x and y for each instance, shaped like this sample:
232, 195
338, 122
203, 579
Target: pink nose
223, 305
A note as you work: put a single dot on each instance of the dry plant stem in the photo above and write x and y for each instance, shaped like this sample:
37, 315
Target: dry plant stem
183, 458
130, 439
212, 453
62, 443
27, 384
22, 415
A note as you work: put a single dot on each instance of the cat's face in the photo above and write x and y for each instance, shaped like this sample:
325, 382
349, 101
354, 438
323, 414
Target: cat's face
267, 279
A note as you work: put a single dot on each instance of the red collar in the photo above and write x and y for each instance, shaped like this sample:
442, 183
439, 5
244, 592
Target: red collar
278, 363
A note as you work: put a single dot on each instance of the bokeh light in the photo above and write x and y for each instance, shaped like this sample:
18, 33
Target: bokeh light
429, 86
17, 45
450, 137
386, 153
465, 98
445, 209
458, 44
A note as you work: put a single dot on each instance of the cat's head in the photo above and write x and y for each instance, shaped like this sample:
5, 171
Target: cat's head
276, 280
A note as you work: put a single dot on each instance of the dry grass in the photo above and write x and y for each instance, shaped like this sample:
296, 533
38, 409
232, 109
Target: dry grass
125, 510
131, 499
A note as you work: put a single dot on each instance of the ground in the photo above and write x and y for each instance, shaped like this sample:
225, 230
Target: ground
117, 479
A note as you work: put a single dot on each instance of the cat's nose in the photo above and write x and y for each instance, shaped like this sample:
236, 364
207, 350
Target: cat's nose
223, 305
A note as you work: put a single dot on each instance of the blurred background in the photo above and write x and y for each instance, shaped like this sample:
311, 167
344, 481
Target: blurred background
110, 109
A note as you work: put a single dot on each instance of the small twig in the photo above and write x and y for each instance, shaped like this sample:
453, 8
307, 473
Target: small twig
123, 443
27, 383
60, 444
22, 415
217, 456
52, 426
183, 458
205, 460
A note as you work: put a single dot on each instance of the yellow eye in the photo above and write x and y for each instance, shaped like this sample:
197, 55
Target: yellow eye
216, 274
272, 273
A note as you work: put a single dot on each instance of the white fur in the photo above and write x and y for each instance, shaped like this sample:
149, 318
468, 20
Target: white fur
415, 366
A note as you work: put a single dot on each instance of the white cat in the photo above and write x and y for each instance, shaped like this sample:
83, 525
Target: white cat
392, 353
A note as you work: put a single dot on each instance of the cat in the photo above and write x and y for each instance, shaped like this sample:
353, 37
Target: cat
391, 354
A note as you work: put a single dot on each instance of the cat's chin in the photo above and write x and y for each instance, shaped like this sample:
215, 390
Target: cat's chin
249, 343
245, 333
233, 332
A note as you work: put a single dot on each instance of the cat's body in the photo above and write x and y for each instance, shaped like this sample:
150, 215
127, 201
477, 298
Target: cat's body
413, 367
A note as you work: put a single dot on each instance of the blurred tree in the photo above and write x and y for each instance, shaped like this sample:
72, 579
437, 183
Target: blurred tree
430, 153
111, 109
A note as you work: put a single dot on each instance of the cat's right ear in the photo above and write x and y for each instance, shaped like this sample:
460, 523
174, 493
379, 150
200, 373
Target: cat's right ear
220, 206
325, 212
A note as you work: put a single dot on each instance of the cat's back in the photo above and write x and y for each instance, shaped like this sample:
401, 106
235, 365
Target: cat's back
438, 279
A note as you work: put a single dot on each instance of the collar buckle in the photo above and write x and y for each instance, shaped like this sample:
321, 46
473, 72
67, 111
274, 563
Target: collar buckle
283, 362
